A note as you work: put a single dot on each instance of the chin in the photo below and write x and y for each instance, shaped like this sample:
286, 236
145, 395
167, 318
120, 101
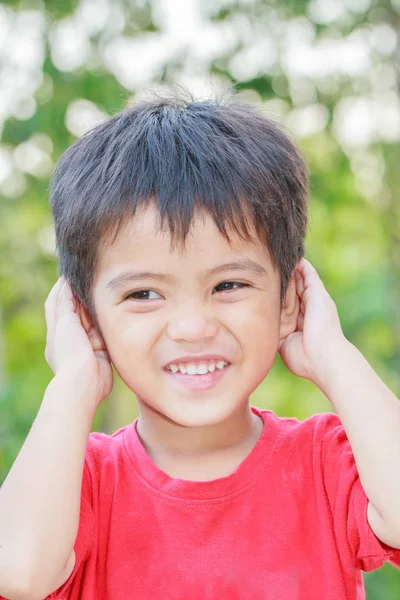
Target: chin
200, 412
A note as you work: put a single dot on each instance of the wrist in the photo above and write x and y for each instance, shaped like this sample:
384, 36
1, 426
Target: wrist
76, 390
334, 365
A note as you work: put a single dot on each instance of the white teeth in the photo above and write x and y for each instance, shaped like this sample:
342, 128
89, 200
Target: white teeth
197, 369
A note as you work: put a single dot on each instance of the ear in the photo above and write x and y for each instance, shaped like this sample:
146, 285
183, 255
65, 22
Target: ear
84, 315
90, 326
290, 310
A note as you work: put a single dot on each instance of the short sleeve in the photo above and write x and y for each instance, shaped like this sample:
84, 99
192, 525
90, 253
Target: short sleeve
84, 540
355, 538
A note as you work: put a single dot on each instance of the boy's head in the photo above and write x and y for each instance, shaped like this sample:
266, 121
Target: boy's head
232, 186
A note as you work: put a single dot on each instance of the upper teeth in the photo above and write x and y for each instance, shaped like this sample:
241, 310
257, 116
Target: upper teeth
197, 368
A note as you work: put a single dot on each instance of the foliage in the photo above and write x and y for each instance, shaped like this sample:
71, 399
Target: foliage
354, 237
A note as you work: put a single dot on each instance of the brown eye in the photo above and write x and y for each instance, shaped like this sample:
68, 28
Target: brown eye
232, 283
140, 294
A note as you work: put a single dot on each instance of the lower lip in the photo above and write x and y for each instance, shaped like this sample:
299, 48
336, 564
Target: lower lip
199, 382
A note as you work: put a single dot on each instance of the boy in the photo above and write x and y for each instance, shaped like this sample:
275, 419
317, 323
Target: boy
203, 496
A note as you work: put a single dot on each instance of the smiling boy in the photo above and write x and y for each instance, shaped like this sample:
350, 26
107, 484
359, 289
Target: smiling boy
180, 227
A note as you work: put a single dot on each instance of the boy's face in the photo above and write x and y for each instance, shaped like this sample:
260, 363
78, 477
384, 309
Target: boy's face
188, 315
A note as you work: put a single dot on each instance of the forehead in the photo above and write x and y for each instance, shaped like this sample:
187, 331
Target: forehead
141, 245
141, 236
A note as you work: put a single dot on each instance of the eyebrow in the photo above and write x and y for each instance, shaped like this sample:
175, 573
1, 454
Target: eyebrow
246, 264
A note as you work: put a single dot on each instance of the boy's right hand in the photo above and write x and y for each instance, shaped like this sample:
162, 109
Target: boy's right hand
73, 348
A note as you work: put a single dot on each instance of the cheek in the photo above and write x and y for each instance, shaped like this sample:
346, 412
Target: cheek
259, 332
127, 339
256, 328
135, 334
262, 316
130, 348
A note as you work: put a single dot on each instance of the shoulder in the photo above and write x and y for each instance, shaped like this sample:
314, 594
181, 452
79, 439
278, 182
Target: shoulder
314, 428
100, 443
105, 454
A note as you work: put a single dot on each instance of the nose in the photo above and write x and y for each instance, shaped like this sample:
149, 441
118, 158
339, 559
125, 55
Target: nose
192, 325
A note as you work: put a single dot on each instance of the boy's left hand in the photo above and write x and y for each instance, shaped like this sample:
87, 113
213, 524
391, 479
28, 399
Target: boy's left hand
308, 351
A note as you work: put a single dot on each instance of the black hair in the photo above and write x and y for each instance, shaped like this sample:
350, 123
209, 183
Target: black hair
222, 156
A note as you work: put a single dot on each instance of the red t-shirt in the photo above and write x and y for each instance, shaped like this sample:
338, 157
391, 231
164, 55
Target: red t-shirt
289, 522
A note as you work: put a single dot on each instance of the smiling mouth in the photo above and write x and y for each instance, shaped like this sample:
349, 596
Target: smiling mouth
216, 370
198, 383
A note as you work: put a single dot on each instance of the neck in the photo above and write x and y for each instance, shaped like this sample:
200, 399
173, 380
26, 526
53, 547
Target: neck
181, 451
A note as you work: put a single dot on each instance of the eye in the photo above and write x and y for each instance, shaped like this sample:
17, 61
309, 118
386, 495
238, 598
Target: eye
232, 283
134, 295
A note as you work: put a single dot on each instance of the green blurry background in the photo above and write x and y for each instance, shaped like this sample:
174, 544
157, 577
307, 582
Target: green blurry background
328, 70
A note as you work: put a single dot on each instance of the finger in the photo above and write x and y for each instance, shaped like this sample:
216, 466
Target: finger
304, 266
51, 303
65, 301
307, 270
311, 279
299, 283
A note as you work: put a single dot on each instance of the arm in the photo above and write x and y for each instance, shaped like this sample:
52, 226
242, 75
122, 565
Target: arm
40, 498
317, 349
370, 414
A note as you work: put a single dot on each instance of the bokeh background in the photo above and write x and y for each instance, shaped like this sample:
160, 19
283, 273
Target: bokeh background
327, 70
